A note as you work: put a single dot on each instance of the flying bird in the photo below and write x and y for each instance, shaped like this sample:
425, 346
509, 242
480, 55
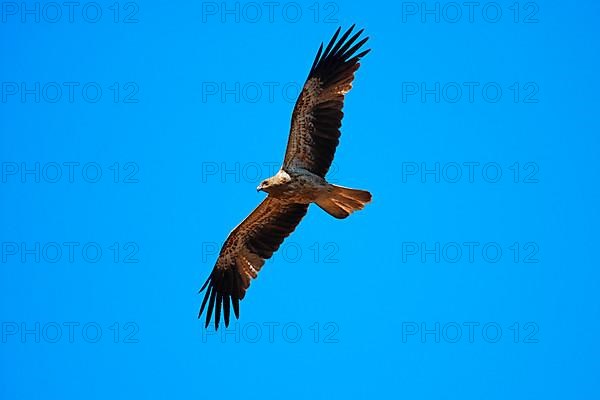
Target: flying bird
313, 138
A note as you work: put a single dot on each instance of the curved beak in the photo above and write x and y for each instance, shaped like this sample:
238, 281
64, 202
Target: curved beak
258, 188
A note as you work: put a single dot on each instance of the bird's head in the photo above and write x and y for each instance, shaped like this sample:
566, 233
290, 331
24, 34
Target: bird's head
263, 186
274, 182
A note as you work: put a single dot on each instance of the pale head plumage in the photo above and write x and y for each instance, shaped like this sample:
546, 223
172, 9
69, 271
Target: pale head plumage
282, 178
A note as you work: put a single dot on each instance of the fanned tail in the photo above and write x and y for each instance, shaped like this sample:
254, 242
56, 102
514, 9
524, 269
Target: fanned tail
343, 201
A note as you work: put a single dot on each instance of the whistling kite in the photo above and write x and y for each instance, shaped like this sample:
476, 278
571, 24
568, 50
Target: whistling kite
314, 136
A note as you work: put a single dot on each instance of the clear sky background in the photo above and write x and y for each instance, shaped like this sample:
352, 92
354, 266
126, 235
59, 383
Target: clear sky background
133, 135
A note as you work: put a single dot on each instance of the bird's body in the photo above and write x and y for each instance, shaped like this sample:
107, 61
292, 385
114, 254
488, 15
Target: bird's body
314, 136
296, 185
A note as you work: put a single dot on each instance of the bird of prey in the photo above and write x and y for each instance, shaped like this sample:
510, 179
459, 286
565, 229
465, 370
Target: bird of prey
313, 138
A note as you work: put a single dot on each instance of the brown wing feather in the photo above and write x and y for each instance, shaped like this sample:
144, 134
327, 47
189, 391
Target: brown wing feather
244, 253
317, 116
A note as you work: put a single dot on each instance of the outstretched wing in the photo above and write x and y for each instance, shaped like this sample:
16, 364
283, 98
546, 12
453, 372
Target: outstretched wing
317, 116
244, 253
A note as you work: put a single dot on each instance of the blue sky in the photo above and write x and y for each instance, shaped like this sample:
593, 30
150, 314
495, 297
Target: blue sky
133, 135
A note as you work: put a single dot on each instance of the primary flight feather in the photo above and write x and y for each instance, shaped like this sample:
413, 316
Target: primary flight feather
313, 139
